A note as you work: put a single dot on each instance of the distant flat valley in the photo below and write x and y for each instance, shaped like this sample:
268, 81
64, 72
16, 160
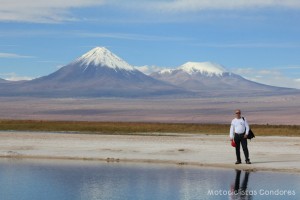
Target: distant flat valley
258, 110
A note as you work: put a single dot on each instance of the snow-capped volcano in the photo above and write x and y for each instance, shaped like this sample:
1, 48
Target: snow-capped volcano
97, 73
209, 78
100, 56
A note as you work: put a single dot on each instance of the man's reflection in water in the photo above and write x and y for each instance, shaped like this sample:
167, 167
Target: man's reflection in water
240, 191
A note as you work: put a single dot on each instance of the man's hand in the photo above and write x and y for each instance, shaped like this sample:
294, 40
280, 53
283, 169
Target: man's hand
245, 136
230, 139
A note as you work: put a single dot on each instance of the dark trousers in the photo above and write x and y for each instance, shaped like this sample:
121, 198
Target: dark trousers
239, 139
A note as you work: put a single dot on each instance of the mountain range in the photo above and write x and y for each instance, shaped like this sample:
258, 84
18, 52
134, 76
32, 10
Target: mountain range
100, 73
210, 79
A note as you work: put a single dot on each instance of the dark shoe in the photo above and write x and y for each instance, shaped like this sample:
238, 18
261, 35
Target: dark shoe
238, 162
248, 162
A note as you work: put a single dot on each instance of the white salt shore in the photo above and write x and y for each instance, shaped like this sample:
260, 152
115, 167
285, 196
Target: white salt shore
266, 153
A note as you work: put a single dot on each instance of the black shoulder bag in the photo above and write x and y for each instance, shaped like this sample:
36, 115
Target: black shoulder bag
250, 134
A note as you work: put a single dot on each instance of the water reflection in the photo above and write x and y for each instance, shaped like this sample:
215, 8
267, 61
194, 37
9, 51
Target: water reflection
84, 180
240, 191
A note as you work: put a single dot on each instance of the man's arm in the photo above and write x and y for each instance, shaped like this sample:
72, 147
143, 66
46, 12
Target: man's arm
231, 133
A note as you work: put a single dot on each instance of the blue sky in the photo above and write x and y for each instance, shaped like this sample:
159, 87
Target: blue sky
257, 39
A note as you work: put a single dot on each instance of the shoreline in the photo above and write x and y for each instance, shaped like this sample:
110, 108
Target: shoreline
276, 154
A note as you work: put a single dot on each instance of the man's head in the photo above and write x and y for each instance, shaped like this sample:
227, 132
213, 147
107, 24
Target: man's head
238, 113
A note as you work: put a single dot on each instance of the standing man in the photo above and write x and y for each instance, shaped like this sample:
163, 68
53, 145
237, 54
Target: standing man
239, 130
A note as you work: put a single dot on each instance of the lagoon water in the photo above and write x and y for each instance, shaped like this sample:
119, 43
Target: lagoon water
24, 179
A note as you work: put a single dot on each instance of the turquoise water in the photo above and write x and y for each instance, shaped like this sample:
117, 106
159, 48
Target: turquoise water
58, 179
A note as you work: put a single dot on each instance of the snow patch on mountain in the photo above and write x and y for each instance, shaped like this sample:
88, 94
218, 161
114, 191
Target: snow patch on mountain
148, 69
166, 71
206, 68
100, 56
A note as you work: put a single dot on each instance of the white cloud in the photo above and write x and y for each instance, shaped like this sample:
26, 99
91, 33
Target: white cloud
270, 77
149, 69
198, 5
15, 77
288, 67
128, 36
248, 45
42, 10
79, 34
12, 55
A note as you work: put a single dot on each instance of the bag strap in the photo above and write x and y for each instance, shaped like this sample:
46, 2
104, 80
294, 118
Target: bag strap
245, 125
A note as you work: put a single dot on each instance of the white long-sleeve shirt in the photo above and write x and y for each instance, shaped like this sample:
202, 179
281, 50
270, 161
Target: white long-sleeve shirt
238, 126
